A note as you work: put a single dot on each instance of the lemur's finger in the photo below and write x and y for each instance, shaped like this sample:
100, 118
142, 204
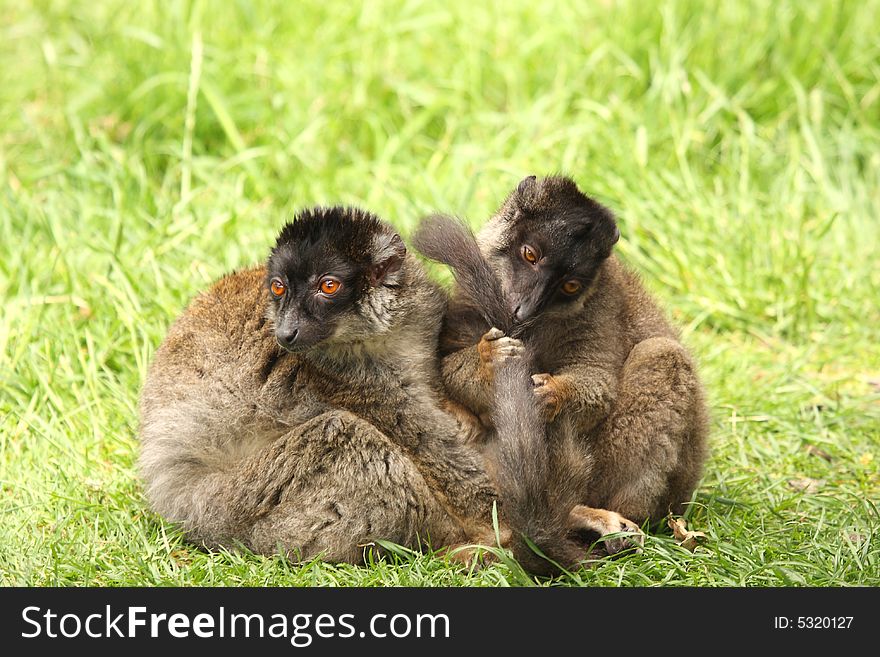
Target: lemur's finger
504, 353
493, 334
539, 380
508, 347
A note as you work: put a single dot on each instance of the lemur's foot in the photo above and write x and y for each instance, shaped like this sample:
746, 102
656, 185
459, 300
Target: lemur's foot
496, 348
552, 394
590, 525
470, 428
471, 556
475, 553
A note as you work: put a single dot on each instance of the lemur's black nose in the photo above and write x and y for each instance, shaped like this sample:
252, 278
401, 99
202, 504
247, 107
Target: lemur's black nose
287, 335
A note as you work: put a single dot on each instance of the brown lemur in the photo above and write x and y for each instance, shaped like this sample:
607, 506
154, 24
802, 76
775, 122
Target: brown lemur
518, 455
624, 419
296, 407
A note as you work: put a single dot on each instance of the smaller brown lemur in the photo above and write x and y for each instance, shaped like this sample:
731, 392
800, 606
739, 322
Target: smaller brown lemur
296, 407
624, 419
519, 455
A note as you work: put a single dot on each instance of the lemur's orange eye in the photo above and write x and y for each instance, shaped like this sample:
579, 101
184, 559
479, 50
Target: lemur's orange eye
571, 287
529, 254
277, 287
330, 286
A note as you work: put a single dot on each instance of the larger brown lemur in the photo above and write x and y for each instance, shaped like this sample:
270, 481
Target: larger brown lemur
296, 407
624, 419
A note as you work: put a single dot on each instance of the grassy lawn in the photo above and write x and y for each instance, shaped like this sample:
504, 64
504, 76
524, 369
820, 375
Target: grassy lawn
147, 148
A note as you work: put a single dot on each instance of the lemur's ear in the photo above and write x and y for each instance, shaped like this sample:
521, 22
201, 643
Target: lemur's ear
388, 254
526, 185
600, 232
525, 191
608, 232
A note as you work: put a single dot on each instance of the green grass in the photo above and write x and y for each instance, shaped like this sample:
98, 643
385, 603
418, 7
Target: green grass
147, 148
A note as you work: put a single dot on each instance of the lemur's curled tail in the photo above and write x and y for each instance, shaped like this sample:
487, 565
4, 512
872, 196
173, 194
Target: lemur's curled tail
523, 468
450, 242
524, 474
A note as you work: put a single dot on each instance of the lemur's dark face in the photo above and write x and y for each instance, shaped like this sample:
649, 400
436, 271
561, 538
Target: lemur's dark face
553, 241
324, 266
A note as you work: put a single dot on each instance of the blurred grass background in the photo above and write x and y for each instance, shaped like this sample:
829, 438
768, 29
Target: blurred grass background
147, 148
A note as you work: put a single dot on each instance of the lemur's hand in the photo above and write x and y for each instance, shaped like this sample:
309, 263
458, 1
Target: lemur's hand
496, 348
552, 394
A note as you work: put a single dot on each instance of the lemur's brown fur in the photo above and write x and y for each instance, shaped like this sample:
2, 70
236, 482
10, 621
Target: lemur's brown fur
625, 419
320, 448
